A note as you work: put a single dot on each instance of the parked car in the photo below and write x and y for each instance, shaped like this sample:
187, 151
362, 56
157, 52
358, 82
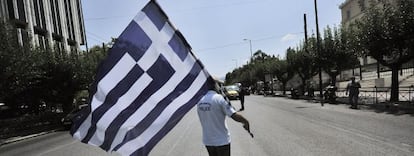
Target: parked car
68, 119
247, 91
232, 92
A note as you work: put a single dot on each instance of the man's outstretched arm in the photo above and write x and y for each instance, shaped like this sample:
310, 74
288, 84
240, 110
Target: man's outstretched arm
239, 118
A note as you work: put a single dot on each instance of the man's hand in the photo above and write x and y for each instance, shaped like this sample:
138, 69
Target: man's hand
239, 118
246, 127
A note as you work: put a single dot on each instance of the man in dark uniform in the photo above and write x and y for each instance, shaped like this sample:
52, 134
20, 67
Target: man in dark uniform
353, 89
242, 92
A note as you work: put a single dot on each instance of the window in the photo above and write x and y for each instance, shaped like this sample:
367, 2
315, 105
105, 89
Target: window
23, 37
36, 10
10, 8
348, 14
21, 11
42, 14
362, 5
54, 5
81, 26
69, 19
42, 42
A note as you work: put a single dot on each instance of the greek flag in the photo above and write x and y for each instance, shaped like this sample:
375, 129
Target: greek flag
148, 82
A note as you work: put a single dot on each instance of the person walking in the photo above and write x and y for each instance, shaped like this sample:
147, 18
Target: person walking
212, 110
353, 89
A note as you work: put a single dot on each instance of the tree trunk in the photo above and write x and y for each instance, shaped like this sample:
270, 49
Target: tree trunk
303, 86
378, 70
394, 83
333, 79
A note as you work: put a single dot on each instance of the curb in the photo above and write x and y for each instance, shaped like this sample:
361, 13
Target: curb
21, 138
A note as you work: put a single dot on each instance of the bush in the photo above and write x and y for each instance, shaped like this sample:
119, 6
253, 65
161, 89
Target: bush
26, 125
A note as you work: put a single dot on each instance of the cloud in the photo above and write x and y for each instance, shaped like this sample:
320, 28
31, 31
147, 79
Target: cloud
289, 37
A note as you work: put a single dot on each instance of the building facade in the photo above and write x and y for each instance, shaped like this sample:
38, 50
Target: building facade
352, 10
46, 23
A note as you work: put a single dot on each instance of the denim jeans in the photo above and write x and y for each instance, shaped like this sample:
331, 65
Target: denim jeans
219, 150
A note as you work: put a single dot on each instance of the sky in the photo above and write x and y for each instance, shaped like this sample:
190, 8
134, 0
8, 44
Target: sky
219, 30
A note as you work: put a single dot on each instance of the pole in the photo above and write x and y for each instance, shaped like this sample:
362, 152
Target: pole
87, 48
378, 70
412, 67
251, 52
360, 72
251, 58
319, 52
306, 32
103, 47
305, 27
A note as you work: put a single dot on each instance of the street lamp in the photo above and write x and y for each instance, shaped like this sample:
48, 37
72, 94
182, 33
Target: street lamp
250, 43
251, 59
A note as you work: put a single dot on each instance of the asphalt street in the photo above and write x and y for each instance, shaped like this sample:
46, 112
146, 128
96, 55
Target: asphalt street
281, 126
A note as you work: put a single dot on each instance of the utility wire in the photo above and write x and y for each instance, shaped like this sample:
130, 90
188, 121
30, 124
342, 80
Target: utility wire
93, 38
107, 18
96, 36
241, 43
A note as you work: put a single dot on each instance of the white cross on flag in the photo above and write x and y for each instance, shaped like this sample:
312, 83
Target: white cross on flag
148, 82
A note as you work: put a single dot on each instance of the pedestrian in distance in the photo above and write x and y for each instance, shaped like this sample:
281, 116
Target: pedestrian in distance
212, 110
311, 91
242, 93
353, 89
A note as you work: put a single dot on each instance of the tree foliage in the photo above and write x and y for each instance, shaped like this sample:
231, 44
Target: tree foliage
33, 78
386, 32
304, 62
336, 54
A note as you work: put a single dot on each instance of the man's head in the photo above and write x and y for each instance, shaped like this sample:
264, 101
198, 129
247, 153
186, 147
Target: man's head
217, 84
353, 79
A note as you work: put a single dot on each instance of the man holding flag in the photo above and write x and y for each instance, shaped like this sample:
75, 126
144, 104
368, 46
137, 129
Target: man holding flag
148, 82
212, 111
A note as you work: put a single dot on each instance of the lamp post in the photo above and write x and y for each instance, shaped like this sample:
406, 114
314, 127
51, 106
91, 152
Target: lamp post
251, 59
250, 44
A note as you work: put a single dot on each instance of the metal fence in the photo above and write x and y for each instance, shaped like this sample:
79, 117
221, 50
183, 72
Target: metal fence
375, 95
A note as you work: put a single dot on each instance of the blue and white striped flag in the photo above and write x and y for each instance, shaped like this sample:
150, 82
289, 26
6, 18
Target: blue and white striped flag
148, 82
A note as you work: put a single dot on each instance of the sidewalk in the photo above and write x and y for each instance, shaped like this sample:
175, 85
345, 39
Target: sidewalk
21, 138
404, 107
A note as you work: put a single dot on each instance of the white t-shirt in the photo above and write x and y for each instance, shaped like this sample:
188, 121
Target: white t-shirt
212, 111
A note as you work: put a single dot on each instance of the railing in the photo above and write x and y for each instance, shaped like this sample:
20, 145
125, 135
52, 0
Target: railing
384, 74
375, 95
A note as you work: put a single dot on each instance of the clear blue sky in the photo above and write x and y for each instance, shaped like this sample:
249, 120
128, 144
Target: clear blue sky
216, 28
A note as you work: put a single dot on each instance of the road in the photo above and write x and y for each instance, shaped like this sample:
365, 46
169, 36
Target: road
282, 127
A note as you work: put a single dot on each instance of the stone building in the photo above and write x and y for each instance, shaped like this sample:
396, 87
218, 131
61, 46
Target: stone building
46, 23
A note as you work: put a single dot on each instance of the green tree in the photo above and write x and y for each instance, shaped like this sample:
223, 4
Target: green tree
335, 54
19, 71
89, 63
304, 63
284, 70
251, 73
387, 34
259, 56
